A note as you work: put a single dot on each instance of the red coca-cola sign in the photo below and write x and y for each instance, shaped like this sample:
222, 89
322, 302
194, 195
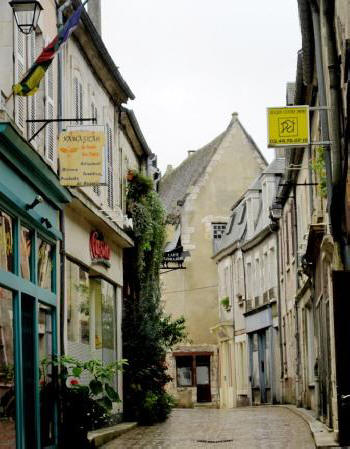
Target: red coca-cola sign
99, 250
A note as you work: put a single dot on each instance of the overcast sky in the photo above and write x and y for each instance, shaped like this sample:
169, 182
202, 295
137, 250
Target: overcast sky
191, 63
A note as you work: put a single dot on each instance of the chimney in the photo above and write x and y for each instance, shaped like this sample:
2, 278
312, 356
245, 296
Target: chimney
94, 10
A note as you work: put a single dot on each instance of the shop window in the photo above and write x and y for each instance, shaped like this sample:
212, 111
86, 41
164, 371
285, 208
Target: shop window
184, 373
26, 253
83, 294
6, 242
45, 253
108, 316
7, 378
78, 304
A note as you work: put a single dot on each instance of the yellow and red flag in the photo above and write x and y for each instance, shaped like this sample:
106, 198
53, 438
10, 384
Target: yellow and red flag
31, 81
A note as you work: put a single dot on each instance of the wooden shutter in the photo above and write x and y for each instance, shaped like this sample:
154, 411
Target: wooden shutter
76, 98
96, 189
81, 104
20, 69
32, 100
109, 164
50, 144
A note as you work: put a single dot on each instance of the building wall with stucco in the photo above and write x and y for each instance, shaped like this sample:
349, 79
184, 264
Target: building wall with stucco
193, 292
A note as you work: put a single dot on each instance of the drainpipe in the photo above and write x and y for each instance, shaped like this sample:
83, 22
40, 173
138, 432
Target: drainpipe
311, 190
61, 213
279, 312
297, 285
62, 284
339, 180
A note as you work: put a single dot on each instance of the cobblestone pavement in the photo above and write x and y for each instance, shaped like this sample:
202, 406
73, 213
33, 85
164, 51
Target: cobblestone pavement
242, 428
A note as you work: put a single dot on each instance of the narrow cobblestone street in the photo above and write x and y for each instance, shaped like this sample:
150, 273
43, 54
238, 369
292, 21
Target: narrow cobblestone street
242, 428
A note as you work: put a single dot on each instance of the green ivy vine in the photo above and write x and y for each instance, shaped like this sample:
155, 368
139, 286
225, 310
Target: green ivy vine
319, 167
147, 332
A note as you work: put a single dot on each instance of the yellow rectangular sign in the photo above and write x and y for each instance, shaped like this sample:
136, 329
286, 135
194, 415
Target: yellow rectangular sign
288, 126
81, 157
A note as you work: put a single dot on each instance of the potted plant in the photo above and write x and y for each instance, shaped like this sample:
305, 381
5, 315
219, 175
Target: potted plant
225, 302
84, 406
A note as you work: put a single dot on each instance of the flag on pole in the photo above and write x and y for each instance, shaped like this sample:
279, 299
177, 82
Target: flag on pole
31, 81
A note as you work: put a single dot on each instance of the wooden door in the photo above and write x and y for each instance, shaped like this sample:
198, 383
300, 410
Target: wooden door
203, 379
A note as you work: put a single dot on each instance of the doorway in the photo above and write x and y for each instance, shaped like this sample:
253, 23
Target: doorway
260, 367
39, 402
203, 378
193, 371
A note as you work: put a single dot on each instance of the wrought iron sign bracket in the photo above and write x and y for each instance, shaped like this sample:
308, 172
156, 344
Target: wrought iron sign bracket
56, 120
168, 269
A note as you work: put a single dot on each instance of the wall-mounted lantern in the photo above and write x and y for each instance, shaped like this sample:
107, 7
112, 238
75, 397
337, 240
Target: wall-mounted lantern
26, 14
276, 211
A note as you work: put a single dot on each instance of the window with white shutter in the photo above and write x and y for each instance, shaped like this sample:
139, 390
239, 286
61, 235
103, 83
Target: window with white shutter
32, 100
50, 141
78, 104
20, 69
109, 168
76, 98
81, 106
96, 189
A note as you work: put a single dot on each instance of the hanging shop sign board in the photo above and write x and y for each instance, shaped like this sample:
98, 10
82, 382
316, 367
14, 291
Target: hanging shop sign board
81, 156
288, 126
99, 250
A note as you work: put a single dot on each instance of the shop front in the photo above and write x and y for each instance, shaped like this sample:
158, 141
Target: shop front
94, 275
30, 201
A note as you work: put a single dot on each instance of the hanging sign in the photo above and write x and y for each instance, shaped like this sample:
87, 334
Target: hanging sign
99, 250
288, 126
81, 157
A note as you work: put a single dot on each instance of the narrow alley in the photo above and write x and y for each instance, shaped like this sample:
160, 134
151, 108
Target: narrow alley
243, 428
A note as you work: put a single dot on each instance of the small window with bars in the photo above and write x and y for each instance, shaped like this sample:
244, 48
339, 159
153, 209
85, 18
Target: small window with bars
218, 230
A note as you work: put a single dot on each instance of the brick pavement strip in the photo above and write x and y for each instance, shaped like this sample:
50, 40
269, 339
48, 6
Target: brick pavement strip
241, 428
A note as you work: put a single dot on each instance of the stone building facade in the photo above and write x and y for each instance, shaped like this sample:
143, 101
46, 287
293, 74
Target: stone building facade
70, 300
197, 202
248, 297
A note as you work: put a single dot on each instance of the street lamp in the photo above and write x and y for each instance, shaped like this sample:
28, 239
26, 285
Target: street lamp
276, 211
27, 14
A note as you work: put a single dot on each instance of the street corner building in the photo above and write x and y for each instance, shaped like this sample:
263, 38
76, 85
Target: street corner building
61, 248
197, 202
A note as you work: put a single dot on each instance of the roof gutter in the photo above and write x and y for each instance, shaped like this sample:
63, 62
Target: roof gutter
98, 43
137, 130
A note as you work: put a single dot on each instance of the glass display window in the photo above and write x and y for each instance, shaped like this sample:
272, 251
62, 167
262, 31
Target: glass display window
45, 255
26, 253
6, 242
184, 373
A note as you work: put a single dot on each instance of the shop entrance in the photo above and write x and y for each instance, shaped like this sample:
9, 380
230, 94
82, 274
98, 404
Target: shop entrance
38, 401
28, 369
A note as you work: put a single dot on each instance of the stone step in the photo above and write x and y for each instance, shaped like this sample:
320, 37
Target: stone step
102, 436
205, 405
